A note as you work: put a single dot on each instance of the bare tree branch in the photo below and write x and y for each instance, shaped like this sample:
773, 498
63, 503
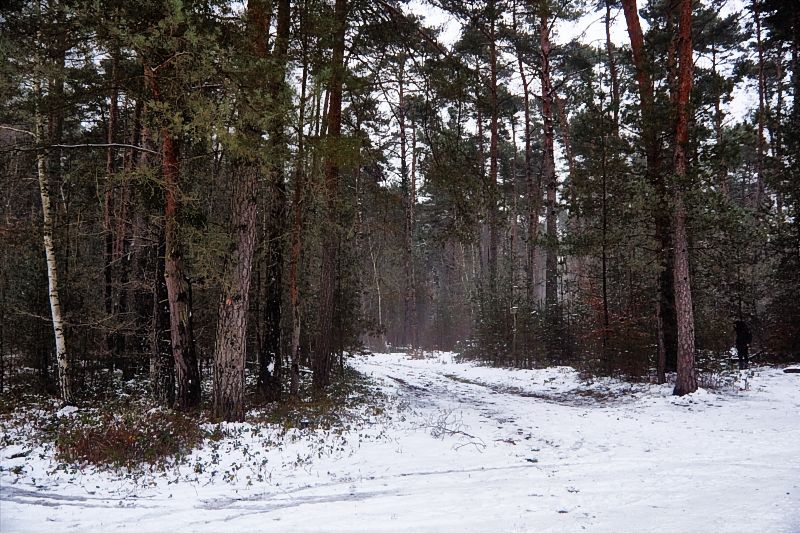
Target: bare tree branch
18, 130
97, 145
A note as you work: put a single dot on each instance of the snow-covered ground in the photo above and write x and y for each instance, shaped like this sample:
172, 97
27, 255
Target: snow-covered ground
459, 447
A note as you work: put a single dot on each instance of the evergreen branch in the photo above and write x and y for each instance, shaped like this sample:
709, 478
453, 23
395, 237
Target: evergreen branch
396, 13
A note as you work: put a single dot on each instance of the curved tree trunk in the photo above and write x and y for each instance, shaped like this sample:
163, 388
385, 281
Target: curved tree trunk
62, 358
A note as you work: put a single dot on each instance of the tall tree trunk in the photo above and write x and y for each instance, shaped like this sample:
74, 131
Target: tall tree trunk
412, 223
179, 291
667, 330
761, 141
533, 184
108, 215
330, 243
272, 351
409, 296
162, 366
612, 70
62, 357
230, 346
514, 230
482, 174
493, 155
297, 225
722, 172
549, 168
686, 381
776, 132
604, 248
231, 340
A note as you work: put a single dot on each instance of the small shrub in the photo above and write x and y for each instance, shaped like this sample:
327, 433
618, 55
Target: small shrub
127, 440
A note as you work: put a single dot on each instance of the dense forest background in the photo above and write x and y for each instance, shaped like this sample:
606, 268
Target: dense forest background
200, 192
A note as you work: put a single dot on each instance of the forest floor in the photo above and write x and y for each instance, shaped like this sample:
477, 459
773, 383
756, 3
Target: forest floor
452, 446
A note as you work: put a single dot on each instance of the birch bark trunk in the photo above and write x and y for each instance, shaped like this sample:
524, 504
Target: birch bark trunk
62, 356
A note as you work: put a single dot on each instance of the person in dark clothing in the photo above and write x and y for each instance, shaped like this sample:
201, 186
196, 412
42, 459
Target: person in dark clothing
743, 339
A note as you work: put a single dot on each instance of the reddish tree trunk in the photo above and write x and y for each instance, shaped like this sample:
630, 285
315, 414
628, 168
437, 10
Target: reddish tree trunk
686, 381
179, 295
667, 330
323, 357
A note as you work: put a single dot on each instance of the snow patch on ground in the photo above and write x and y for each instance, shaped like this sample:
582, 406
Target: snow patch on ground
67, 410
459, 447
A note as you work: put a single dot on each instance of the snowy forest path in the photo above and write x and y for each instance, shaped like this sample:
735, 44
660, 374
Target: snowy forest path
462, 447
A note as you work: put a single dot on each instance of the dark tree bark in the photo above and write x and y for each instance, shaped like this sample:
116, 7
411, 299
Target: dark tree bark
481, 170
108, 210
297, 225
493, 152
548, 167
604, 247
179, 291
533, 184
411, 221
722, 172
776, 130
667, 321
408, 186
271, 352
162, 366
323, 357
761, 141
612, 69
230, 347
231, 342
